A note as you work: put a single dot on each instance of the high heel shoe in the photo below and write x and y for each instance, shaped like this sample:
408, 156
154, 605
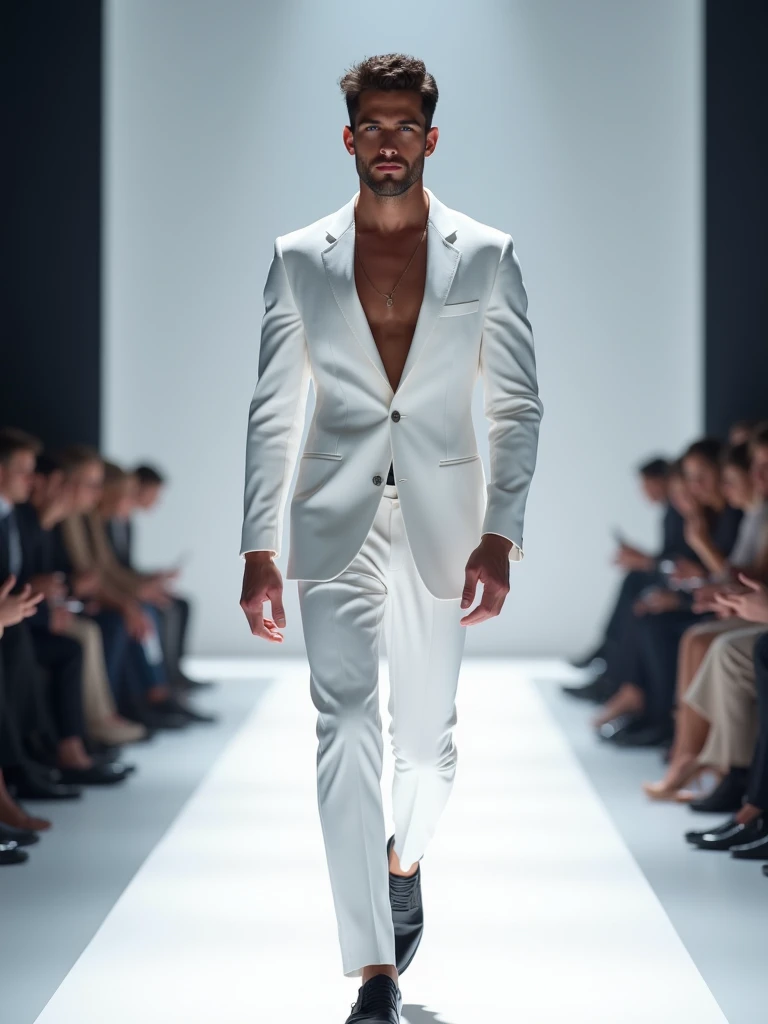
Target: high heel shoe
670, 787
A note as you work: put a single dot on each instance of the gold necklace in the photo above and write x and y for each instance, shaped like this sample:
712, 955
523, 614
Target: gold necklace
388, 295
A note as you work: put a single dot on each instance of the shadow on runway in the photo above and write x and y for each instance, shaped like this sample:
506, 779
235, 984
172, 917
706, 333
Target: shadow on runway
420, 1015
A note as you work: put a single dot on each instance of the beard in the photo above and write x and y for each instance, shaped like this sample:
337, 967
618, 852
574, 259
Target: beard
389, 187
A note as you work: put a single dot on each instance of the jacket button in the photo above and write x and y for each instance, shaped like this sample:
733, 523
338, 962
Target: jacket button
396, 416
377, 479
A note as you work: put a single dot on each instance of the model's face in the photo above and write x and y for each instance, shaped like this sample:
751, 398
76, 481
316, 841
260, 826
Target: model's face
17, 476
759, 469
389, 142
737, 487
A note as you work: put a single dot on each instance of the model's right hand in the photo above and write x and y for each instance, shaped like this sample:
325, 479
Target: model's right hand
263, 581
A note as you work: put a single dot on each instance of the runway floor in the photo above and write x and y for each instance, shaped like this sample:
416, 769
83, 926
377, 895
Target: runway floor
553, 892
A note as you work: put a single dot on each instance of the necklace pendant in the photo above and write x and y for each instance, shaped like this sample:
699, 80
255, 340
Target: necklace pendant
390, 301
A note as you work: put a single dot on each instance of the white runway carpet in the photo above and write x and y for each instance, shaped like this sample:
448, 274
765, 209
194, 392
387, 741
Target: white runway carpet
536, 912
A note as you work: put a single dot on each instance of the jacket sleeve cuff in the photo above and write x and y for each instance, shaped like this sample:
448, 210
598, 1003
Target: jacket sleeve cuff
516, 553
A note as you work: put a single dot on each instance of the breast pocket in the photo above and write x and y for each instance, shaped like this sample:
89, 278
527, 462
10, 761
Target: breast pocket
460, 308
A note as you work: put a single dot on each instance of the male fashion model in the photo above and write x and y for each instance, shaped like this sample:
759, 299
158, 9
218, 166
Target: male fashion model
392, 306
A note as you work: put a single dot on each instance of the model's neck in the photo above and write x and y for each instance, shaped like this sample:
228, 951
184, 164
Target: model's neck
391, 214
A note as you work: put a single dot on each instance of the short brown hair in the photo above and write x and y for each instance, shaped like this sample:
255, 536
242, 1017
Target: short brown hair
389, 72
13, 440
114, 474
74, 456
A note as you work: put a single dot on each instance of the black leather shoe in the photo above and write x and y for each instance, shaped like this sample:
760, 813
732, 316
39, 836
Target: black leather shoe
20, 836
598, 691
647, 736
587, 660
755, 848
158, 718
727, 826
172, 705
727, 796
407, 913
182, 682
765, 870
96, 775
11, 854
621, 724
737, 835
29, 787
379, 1001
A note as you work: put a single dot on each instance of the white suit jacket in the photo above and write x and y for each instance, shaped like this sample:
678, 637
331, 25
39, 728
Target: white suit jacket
472, 321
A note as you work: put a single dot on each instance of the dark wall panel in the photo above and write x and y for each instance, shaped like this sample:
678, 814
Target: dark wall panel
736, 216
51, 281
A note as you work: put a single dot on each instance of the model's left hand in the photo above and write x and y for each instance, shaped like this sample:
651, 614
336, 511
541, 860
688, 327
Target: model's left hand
488, 564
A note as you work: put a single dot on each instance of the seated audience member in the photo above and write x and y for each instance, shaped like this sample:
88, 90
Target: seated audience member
50, 503
28, 649
148, 489
740, 715
115, 506
15, 824
640, 713
147, 697
745, 480
662, 484
741, 431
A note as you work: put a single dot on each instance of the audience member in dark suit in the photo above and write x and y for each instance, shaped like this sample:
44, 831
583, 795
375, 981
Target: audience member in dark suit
143, 693
30, 648
50, 502
662, 484
148, 487
640, 712
14, 608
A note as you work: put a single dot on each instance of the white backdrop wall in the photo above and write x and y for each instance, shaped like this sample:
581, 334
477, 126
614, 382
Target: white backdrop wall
576, 127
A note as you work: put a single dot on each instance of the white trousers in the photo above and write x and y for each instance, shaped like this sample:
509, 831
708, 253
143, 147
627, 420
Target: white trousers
342, 621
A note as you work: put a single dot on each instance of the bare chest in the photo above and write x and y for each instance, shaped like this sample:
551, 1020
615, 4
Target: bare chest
391, 291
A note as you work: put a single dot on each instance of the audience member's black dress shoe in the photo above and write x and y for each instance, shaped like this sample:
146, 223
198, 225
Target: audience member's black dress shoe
157, 718
379, 1001
716, 830
20, 836
96, 775
29, 787
765, 870
184, 683
11, 854
736, 835
588, 659
727, 796
645, 736
174, 705
407, 913
598, 691
112, 756
755, 848
621, 724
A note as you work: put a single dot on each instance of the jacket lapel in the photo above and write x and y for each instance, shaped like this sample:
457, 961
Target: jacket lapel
442, 261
